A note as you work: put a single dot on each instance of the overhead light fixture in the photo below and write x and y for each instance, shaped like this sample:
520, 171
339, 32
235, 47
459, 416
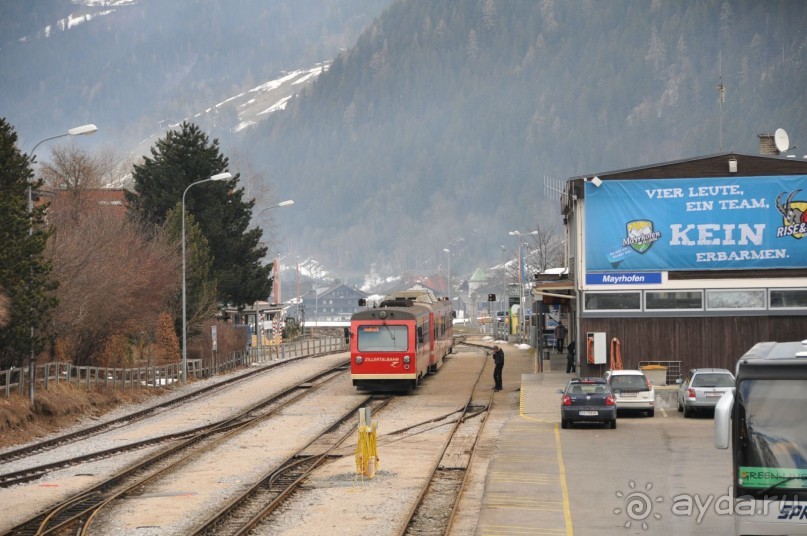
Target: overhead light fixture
732, 165
596, 181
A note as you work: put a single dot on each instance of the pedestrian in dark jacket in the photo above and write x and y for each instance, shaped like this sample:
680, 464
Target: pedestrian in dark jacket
498, 359
560, 334
570, 364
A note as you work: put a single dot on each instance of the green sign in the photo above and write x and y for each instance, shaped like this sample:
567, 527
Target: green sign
762, 477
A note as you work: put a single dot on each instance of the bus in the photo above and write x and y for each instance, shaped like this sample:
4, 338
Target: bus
764, 422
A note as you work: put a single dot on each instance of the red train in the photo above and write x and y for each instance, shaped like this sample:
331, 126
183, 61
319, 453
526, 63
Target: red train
393, 346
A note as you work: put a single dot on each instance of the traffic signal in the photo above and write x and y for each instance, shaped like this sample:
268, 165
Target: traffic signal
491, 297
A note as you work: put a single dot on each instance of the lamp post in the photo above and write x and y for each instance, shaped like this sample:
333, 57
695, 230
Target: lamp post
446, 250
218, 177
316, 297
276, 285
76, 131
285, 203
276, 288
520, 259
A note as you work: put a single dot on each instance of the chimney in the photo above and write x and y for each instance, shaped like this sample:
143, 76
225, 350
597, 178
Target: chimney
767, 145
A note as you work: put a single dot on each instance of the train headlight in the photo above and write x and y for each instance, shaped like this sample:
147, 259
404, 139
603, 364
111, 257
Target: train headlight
406, 359
406, 367
359, 360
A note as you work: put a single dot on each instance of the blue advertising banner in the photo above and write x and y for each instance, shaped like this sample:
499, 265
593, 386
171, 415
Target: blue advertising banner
732, 223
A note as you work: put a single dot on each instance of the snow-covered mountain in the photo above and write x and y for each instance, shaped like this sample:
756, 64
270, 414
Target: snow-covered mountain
136, 67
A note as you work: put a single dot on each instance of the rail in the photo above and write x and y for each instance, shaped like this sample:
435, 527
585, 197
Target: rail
17, 379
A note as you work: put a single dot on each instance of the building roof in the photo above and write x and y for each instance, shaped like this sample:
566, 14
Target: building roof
324, 291
113, 199
715, 165
705, 167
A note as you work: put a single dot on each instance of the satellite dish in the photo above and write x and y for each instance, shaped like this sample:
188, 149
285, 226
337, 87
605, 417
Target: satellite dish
781, 140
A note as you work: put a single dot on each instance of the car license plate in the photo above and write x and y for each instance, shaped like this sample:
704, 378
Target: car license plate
714, 395
589, 413
629, 395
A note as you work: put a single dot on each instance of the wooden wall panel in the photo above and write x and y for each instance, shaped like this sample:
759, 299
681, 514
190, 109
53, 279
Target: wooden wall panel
696, 342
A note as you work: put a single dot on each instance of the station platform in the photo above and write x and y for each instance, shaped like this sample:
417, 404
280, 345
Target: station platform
525, 486
525, 489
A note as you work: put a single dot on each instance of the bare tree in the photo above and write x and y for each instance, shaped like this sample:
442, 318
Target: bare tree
115, 278
77, 174
72, 169
546, 249
255, 184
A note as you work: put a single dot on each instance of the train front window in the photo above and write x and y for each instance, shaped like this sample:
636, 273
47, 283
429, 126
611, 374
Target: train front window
383, 338
772, 434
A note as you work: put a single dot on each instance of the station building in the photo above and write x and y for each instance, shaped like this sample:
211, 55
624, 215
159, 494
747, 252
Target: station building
686, 263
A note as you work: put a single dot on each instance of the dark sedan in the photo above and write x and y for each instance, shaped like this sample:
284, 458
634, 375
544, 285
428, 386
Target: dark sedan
587, 400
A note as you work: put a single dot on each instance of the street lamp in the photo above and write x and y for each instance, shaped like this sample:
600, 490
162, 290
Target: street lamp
276, 284
521, 275
218, 177
285, 203
446, 250
77, 131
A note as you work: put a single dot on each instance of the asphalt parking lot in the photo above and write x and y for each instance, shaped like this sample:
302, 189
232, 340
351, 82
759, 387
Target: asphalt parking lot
650, 475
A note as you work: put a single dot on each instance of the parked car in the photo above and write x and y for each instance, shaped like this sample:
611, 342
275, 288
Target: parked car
587, 400
503, 317
701, 388
633, 391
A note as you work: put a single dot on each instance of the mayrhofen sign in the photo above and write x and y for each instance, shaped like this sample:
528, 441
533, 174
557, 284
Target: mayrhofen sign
697, 224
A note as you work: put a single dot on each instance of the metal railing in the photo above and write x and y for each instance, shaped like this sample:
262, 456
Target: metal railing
17, 380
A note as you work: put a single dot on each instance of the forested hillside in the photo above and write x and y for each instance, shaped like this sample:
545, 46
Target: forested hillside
443, 120
134, 67
436, 127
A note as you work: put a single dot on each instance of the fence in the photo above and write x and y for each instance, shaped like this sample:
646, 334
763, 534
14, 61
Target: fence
17, 380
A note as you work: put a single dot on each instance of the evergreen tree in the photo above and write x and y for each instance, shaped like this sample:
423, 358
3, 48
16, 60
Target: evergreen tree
186, 156
25, 274
201, 288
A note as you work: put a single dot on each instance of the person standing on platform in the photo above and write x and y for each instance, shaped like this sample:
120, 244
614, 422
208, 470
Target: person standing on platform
560, 334
570, 364
498, 359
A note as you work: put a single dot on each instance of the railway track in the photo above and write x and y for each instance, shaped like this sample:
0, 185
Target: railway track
131, 418
82, 508
32, 473
433, 512
246, 511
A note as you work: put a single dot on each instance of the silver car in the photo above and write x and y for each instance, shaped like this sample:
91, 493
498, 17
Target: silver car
701, 389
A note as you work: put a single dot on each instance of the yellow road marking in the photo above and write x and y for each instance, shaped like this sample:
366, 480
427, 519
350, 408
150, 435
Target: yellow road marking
500, 476
528, 459
567, 512
505, 502
534, 419
490, 530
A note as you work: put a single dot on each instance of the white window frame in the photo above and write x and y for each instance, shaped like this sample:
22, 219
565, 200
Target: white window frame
674, 291
786, 308
761, 291
589, 292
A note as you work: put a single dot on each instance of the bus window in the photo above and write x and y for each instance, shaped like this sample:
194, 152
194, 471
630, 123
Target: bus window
773, 431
